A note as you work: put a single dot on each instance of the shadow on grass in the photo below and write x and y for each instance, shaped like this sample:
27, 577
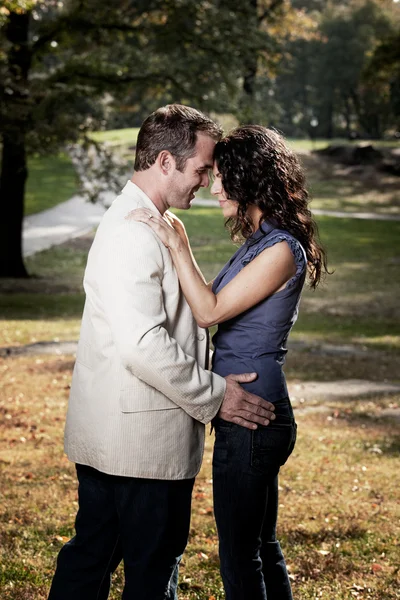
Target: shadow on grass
389, 446
315, 538
41, 306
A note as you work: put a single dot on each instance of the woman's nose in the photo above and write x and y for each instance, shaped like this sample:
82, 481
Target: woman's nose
215, 187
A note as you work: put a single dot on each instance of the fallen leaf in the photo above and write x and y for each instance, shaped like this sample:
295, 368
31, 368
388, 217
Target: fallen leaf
356, 587
62, 538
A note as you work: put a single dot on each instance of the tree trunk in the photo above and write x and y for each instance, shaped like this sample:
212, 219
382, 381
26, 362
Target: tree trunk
13, 164
347, 116
249, 76
12, 191
329, 120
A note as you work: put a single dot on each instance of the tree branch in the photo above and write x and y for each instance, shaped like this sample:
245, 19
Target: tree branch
112, 79
271, 9
79, 24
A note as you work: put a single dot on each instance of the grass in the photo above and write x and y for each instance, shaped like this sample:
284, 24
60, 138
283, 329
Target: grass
333, 187
359, 188
304, 144
358, 304
339, 515
51, 180
117, 137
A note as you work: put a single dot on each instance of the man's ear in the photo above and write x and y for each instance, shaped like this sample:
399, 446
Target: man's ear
166, 162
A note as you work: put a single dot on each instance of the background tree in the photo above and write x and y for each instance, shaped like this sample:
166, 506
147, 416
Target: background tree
322, 75
69, 67
58, 62
383, 71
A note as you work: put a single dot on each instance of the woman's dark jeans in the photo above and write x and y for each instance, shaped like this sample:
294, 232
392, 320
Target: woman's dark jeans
245, 479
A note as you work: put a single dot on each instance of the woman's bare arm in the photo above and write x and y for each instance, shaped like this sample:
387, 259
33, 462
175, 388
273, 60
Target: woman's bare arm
266, 274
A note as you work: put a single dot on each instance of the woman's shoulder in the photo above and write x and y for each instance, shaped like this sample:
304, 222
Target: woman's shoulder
275, 236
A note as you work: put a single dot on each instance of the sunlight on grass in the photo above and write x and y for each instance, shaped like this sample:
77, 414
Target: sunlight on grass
51, 180
20, 332
387, 341
339, 514
357, 304
117, 137
339, 517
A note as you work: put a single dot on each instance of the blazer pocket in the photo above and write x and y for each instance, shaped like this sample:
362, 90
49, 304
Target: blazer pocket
87, 356
133, 400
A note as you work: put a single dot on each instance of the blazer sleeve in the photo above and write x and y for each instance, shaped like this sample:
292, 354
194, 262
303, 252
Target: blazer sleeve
130, 279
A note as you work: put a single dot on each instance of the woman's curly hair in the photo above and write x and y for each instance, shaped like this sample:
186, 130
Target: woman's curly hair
258, 168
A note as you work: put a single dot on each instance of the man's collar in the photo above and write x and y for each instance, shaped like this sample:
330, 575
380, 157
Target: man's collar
131, 189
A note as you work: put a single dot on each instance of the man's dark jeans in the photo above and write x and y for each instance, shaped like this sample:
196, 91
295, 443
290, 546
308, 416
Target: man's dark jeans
245, 479
145, 522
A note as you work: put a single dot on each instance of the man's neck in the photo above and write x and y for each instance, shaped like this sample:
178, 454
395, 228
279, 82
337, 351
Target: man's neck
147, 183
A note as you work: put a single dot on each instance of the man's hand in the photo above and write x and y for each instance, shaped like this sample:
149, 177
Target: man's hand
243, 408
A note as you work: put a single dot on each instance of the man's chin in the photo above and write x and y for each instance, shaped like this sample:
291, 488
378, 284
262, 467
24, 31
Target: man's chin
188, 202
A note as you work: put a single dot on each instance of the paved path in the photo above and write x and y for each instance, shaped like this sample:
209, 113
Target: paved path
307, 396
76, 217
67, 220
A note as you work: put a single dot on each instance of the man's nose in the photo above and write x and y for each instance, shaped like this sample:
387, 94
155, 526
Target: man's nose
205, 180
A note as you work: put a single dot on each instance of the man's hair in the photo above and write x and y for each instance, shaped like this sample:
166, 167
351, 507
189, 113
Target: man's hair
173, 127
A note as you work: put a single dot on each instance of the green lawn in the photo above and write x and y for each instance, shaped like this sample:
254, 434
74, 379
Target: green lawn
300, 145
117, 137
357, 304
339, 514
51, 180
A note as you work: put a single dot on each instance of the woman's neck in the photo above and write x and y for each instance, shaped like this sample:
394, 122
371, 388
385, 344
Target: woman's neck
255, 215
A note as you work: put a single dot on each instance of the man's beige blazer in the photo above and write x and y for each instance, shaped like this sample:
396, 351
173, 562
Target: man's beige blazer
140, 392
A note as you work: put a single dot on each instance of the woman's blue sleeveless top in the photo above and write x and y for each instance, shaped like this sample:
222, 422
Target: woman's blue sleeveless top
255, 341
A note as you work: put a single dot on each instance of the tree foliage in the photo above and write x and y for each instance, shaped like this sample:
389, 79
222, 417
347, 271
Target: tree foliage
70, 66
65, 65
329, 78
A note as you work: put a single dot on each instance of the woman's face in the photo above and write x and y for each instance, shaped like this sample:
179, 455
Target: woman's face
229, 207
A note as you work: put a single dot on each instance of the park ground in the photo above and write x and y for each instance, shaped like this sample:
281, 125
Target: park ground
339, 505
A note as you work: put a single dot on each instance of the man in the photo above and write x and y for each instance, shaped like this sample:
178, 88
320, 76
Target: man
140, 393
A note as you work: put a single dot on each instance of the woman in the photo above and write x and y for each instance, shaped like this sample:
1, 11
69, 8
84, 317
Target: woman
254, 300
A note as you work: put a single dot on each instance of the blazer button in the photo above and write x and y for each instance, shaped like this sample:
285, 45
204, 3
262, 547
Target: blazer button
201, 337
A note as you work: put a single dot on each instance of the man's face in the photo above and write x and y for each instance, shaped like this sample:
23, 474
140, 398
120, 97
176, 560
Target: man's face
183, 185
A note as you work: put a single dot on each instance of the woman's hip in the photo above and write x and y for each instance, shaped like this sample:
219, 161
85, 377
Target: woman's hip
264, 450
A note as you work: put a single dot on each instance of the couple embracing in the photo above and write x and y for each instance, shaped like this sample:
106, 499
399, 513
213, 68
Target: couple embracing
142, 390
